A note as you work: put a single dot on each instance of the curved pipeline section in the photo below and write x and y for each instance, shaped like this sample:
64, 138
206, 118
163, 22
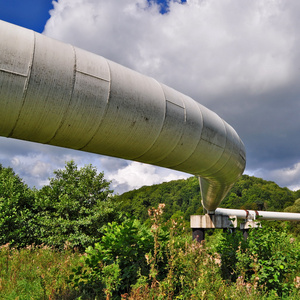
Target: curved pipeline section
57, 94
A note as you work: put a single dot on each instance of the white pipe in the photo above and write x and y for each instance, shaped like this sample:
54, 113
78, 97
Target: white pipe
260, 215
57, 94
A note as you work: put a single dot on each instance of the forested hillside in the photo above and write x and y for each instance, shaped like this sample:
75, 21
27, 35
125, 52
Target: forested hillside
182, 197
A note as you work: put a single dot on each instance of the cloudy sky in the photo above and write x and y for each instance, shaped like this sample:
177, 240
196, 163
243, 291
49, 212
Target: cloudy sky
240, 59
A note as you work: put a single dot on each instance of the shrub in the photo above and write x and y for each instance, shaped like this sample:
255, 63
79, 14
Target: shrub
268, 260
16, 201
120, 254
74, 207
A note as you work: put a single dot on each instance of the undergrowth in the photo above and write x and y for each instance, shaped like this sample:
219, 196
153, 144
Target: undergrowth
36, 272
135, 262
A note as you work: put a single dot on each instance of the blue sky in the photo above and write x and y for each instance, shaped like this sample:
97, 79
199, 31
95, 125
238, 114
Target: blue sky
31, 14
240, 59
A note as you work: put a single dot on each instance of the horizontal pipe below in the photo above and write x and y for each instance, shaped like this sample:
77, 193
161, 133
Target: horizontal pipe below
257, 214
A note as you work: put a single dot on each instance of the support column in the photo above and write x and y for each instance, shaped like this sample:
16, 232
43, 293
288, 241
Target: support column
198, 234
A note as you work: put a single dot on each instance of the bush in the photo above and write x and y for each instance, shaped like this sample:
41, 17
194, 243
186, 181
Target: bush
140, 263
271, 260
268, 260
120, 255
74, 207
16, 215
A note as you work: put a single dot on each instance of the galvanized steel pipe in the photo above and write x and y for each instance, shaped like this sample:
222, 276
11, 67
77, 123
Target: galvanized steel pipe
257, 214
57, 94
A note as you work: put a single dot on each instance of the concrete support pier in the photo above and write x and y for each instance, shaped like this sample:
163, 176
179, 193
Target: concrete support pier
199, 223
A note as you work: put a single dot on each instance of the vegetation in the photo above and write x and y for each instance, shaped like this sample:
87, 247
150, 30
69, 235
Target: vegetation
179, 196
36, 272
162, 263
255, 193
74, 240
183, 197
73, 207
16, 213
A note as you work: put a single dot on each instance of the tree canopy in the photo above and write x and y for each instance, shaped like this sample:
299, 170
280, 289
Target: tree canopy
183, 196
74, 206
179, 196
16, 201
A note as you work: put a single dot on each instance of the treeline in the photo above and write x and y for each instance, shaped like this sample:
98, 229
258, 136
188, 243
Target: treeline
77, 203
183, 197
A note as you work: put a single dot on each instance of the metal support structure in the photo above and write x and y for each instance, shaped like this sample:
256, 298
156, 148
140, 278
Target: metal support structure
223, 219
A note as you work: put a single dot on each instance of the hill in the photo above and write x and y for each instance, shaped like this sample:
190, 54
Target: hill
182, 197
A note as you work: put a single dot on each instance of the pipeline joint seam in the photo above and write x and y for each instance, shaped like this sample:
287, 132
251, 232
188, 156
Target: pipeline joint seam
106, 107
94, 76
14, 73
71, 96
28, 76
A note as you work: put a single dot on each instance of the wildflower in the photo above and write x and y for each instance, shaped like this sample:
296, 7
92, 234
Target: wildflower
297, 282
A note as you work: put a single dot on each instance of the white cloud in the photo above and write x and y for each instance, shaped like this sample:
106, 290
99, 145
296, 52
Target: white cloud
289, 177
136, 175
33, 169
201, 47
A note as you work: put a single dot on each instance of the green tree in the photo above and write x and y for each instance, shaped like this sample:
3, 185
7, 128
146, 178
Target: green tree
16, 201
178, 195
295, 208
295, 225
74, 207
250, 192
270, 260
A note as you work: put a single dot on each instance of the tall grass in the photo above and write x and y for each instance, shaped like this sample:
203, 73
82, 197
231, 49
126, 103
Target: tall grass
136, 263
36, 272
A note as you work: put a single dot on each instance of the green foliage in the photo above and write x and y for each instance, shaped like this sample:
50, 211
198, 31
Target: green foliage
120, 254
155, 260
250, 192
268, 259
183, 196
139, 259
36, 273
16, 201
180, 196
166, 264
74, 207
294, 227
295, 208
228, 247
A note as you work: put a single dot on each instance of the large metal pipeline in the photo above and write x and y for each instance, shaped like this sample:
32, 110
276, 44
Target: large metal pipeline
57, 94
